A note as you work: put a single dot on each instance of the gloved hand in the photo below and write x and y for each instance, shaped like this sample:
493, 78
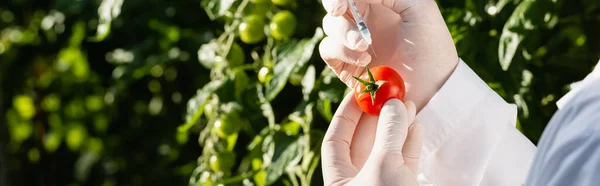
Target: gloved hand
394, 159
408, 35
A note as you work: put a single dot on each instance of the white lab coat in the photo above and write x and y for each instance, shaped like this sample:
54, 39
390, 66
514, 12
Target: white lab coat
470, 136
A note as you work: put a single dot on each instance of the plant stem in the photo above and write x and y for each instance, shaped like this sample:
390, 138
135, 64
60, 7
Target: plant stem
293, 178
236, 178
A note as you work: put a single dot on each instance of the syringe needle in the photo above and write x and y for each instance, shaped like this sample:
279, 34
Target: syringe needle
373, 50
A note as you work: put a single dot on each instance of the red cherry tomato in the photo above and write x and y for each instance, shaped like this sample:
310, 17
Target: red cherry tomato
379, 85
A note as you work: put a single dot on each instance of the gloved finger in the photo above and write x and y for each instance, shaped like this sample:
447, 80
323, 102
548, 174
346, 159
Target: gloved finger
335, 7
335, 150
411, 151
411, 110
392, 129
343, 61
397, 6
344, 30
390, 135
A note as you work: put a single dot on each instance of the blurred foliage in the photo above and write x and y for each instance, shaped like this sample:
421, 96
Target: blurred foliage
202, 92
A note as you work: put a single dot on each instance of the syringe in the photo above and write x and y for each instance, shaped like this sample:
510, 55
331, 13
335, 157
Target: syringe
360, 23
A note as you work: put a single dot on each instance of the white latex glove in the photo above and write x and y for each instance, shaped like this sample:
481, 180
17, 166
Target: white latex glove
408, 35
396, 149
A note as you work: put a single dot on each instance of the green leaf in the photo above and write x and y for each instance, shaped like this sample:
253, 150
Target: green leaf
285, 153
330, 87
308, 82
216, 8
528, 16
291, 55
107, 11
195, 105
314, 155
324, 107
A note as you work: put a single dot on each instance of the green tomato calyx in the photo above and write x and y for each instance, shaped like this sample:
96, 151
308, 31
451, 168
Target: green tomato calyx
371, 86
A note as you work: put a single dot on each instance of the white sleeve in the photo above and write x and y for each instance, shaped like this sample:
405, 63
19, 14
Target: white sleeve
470, 136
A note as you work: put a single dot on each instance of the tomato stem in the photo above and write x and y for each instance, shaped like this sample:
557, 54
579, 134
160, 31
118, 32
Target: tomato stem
371, 86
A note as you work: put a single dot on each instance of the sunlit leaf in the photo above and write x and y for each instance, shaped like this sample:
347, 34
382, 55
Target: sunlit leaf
291, 55
308, 82
529, 15
107, 11
324, 107
216, 8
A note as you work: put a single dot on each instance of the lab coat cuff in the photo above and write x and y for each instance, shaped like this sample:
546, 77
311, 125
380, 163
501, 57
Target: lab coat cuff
456, 100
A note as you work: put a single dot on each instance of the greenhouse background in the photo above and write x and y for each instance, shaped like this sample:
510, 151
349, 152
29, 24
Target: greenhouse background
206, 92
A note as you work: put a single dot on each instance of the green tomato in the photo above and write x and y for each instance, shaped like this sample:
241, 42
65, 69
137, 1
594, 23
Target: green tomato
240, 79
251, 30
283, 25
257, 8
296, 79
283, 2
257, 163
236, 55
228, 124
222, 161
264, 75
259, 1
291, 128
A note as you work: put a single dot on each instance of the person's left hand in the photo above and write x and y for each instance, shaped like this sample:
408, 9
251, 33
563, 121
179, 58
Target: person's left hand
394, 158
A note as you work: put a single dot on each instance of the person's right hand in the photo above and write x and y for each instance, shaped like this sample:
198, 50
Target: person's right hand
394, 158
408, 35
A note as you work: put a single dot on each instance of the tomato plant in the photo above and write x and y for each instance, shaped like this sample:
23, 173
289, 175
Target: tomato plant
380, 84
